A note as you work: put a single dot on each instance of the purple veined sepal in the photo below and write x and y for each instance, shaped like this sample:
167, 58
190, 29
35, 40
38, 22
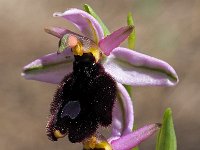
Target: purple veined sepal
123, 114
86, 23
134, 138
50, 68
132, 68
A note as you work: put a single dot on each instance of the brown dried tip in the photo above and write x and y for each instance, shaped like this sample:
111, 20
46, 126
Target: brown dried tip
50, 30
159, 125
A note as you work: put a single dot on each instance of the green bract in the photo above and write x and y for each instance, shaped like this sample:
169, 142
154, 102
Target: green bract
132, 36
166, 139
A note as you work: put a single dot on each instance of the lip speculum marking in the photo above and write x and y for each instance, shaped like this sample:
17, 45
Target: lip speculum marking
71, 109
94, 92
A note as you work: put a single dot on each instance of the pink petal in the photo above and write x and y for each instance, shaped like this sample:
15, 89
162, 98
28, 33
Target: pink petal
50, 68
136, 69
123, 114
131, 140
58, 31
86, 23
114, 39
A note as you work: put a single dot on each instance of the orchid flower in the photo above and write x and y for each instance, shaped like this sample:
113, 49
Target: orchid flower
124, 66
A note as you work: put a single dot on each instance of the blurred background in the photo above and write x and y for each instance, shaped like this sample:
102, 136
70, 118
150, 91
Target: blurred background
166, 29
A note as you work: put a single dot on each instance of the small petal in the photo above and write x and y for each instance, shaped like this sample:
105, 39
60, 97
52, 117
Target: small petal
114, 39
86, 23
123, 115
133, 139
58, 31
136, 69
50, 68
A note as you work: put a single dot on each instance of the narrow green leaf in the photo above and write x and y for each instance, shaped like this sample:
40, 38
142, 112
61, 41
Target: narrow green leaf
89, 10
166, 139
132, 36
131, 45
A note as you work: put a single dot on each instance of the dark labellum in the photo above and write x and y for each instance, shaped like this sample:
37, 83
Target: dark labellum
83, 101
